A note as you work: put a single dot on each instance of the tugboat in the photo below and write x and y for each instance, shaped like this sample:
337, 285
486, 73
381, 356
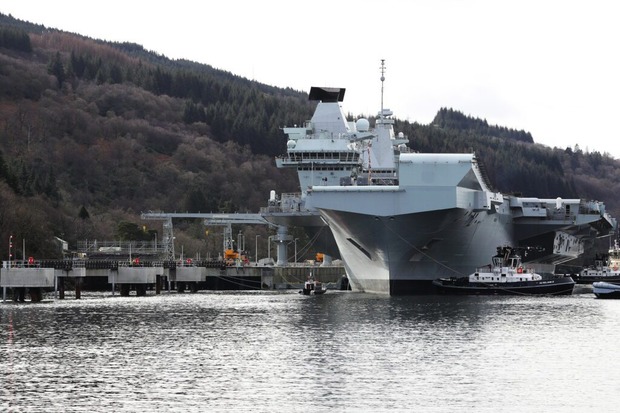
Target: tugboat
505, 276
606, 268
312, 286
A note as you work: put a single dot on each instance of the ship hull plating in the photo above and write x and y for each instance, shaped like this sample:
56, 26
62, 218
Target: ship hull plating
403, 254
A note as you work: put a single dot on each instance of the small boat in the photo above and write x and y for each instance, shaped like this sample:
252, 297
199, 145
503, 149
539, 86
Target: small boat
506, 275
603, 289
606, 268
312, 286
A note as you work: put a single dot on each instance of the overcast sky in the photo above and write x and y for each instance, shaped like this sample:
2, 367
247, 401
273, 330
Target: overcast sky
547, 67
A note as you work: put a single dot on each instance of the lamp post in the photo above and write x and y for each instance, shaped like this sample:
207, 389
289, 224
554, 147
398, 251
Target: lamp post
295, 257
10, 249
256, 245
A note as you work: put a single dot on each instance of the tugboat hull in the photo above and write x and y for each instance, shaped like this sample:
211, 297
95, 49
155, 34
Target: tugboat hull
556, 286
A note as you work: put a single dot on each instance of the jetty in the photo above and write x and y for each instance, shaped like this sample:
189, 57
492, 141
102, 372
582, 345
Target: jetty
141, 266
33, 278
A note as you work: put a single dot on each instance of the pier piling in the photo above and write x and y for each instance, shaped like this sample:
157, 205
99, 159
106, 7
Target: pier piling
78, 288
61, 287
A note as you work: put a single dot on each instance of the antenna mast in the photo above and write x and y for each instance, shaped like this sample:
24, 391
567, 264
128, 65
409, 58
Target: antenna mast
382, 80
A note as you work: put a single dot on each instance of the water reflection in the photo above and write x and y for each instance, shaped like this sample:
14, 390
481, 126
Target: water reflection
282, 351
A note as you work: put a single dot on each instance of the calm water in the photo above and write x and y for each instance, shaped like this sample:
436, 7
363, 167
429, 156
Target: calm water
282, 351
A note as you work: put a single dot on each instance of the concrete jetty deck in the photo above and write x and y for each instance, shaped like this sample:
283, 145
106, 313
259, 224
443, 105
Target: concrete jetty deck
36, 277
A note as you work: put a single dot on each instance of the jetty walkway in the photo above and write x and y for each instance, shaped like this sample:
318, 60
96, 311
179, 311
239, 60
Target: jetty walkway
34, 277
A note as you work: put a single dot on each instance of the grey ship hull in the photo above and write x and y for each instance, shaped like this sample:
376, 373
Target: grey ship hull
403, 254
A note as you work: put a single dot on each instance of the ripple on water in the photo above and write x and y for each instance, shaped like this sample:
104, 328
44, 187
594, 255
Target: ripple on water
282, 351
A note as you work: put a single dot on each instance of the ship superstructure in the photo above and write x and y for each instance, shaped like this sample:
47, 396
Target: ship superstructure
329, 150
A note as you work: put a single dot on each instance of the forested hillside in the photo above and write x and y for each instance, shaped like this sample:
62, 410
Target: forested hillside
93, 133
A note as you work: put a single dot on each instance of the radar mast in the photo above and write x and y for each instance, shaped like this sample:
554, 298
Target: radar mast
382, 80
